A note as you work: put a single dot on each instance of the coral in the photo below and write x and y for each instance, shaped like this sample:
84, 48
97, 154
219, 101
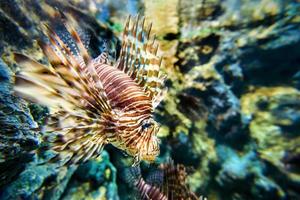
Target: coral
25, 171
275, 114
231, 112
244, 171
17, 140
93, 180
219, 59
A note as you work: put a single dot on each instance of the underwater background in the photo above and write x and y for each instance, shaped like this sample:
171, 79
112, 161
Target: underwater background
231, 114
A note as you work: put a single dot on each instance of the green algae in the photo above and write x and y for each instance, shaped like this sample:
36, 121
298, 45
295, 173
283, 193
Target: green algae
265, 127
228, 78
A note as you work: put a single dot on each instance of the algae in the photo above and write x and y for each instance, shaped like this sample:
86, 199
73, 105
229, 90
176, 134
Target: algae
231, 112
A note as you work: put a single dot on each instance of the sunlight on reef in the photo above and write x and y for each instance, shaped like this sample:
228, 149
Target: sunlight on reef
230, 116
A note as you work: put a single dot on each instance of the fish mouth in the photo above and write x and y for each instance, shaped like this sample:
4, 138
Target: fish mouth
150, 156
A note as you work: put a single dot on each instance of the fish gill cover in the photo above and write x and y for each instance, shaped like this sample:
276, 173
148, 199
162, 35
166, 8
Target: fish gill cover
230, 115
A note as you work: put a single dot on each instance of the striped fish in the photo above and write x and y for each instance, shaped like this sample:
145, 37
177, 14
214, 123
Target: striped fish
145, 191
175, 182
94, 102
167, 182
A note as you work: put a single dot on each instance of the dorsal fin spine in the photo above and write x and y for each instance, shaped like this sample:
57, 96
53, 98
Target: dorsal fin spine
135, 26
149, 30
89, 64
47, 49
71, 63
139, 56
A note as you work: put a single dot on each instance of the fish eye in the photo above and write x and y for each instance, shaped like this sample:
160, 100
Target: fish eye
146, 125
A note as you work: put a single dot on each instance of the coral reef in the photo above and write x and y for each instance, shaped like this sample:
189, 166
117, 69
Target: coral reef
231, 113
17, 140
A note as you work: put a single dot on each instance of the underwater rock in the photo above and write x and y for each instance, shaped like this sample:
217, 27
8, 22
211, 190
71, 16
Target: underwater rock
247, 43
29, 181
17, 140
244, 172
250, 50
95, 179
193, 12
8, 25
264, 47
155, 11
42, 180
231, 111
224, 107
275, 113
24, 173
196, 52
54, 186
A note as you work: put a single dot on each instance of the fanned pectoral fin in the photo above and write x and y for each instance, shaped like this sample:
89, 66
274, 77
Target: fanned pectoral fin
72, 90
39, 84
79, 138
139, 59
86, 145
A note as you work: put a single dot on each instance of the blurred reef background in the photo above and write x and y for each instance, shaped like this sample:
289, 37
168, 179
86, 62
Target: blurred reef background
232, 112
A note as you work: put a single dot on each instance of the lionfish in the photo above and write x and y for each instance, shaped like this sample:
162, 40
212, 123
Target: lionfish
94, 102
167, 182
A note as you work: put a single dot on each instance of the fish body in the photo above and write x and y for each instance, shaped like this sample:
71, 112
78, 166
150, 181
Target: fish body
97, 101
175, 182
146, 191
133, 110
169, 181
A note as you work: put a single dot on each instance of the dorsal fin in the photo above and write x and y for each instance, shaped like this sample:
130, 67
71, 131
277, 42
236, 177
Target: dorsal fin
139, 59
81, 66
85, 37
80, 60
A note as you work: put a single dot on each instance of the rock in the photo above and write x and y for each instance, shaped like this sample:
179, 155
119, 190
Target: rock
28, 182
231, 111
42, 180
242, 172
24, 167
197, 52
17, 140
95, 179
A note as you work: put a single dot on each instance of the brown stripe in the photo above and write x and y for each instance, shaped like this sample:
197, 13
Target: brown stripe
121, 90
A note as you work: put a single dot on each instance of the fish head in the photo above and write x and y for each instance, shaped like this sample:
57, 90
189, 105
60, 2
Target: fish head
150, 149
138, 138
